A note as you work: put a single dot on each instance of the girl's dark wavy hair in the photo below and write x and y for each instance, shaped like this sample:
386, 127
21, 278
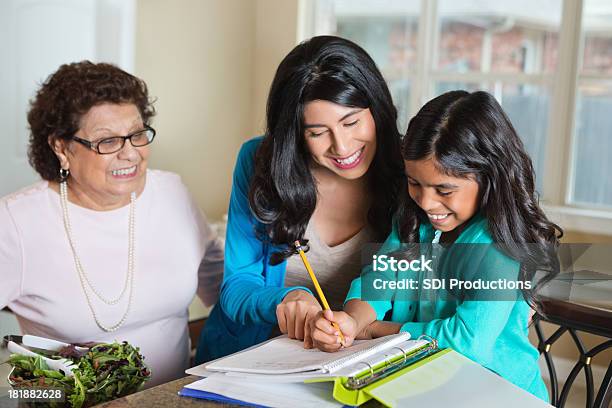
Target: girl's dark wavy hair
283, 192
67, 95
469, 135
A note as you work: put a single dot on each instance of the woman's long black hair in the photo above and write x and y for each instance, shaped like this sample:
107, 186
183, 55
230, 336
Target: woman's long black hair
283, 192
469, 135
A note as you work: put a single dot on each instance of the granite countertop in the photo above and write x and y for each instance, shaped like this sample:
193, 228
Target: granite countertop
162, 396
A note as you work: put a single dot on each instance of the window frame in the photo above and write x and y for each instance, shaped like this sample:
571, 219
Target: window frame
558, 174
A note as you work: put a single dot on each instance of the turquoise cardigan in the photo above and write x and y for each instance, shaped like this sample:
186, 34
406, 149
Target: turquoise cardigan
246, 311
492, 333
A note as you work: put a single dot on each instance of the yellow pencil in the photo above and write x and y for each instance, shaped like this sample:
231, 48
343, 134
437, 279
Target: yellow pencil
298, 247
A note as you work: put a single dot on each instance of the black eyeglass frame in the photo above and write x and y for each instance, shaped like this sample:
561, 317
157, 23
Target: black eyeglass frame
95, 145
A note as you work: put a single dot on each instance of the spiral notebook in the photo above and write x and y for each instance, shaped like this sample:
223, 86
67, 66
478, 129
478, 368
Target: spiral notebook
288, 356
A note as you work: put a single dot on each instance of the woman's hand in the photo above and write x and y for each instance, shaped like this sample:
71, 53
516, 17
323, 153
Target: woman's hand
294, 314
326, 337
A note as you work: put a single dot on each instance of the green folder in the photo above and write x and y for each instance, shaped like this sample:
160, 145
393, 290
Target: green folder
360, 388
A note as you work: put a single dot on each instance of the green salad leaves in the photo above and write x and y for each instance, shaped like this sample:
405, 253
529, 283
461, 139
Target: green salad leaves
105, 372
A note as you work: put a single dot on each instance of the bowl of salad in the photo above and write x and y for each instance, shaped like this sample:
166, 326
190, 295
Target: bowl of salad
102, 372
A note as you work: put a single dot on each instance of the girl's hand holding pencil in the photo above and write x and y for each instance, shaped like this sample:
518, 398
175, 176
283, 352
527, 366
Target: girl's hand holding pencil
326, 336
300, 250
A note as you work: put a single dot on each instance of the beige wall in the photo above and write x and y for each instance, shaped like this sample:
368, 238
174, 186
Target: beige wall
276, 25
196, 56
210, 64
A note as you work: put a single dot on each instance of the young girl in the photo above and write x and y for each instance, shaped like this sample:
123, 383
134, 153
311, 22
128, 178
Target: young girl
470, 181
328, 170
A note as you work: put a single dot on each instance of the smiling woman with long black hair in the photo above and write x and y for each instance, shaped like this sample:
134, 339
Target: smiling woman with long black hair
328, 170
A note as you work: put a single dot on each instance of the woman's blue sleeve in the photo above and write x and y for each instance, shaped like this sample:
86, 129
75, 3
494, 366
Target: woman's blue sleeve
244, 297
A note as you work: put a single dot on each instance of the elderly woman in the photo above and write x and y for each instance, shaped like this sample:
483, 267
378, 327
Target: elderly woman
104, 249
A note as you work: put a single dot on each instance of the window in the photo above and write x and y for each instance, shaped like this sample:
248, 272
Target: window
527, 54
592, 144
388, 31
507, 50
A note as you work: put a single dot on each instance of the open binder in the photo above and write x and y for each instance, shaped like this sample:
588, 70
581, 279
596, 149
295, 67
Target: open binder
357, 388
355, 372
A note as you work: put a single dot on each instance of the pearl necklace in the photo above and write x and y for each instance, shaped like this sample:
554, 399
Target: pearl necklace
84, 280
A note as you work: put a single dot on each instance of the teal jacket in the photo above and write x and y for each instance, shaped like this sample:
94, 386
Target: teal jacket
246, 311
492, 333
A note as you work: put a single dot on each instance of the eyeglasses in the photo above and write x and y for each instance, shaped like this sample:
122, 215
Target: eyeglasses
114, 144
